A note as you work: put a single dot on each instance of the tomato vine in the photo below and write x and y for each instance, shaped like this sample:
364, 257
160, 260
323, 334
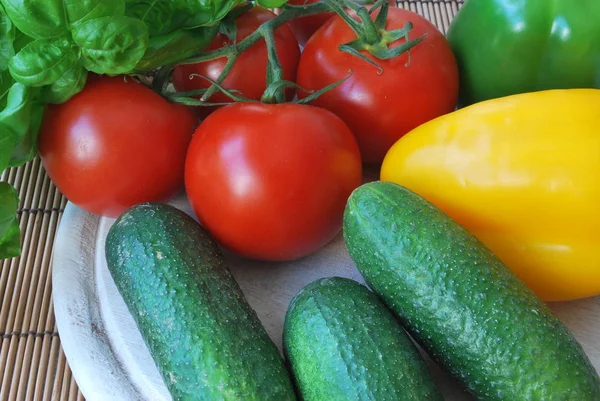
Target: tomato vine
371, 37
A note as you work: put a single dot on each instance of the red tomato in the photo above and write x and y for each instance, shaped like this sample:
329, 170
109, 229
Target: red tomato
271, 181
380, 107
115, 144
249, 73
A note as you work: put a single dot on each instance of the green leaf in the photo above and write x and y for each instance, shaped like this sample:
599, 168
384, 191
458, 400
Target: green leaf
21, 40
67, 86
79, 11
7, 37
19, 125
204, 13
10, 236
6, 82
43, 61
10, 241
40, 19
161, 17
176, 46
111, 45
271, 3
7, 144
168, 16
14, 116
27, 148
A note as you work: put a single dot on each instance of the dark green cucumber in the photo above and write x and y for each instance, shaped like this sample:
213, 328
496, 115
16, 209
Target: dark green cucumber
461, 303
342, 343
206, 340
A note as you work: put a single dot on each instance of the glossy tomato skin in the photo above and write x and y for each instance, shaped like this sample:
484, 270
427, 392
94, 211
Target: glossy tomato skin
115, 144
380, 107
248, 75
270, 182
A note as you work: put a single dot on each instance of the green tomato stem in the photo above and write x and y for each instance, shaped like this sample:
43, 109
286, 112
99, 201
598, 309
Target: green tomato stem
368, 29
338, 7
214, 88
274, 68
161, 78
371, 33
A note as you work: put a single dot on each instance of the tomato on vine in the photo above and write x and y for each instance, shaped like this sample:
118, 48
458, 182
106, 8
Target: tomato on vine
248, 74
393, 93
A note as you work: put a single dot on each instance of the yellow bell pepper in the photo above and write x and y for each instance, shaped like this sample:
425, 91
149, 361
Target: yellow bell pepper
522, 173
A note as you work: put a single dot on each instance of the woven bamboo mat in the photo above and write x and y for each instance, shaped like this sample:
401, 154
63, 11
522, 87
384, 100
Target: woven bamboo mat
32, 363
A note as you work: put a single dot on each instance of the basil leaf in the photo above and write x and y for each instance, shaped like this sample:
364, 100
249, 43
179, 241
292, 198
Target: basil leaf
271, 3
27, 149
7, 37
10, 236
164, 17
21, 40
111, 45
179, 45
10, 241
14, 117
19, 125
67, 86
161, 17
42, 61
40, 19
208, 12
6, 81
79, 11
7, 143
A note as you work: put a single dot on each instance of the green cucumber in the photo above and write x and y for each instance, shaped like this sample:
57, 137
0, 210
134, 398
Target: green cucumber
342, 343
460, 302
205, 339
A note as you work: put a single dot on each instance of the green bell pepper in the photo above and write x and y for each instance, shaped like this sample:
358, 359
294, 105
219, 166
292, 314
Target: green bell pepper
505, 47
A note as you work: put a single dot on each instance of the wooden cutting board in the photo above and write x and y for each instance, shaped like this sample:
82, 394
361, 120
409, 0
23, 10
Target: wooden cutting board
107, 354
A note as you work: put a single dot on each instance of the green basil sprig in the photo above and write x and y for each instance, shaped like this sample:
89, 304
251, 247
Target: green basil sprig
71, 33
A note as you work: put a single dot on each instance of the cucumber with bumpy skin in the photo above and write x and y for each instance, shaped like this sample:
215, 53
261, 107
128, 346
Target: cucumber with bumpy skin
461, 303
205, 339
343, 344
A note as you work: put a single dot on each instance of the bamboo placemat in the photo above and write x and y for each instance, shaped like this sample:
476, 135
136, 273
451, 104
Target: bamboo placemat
32, 363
